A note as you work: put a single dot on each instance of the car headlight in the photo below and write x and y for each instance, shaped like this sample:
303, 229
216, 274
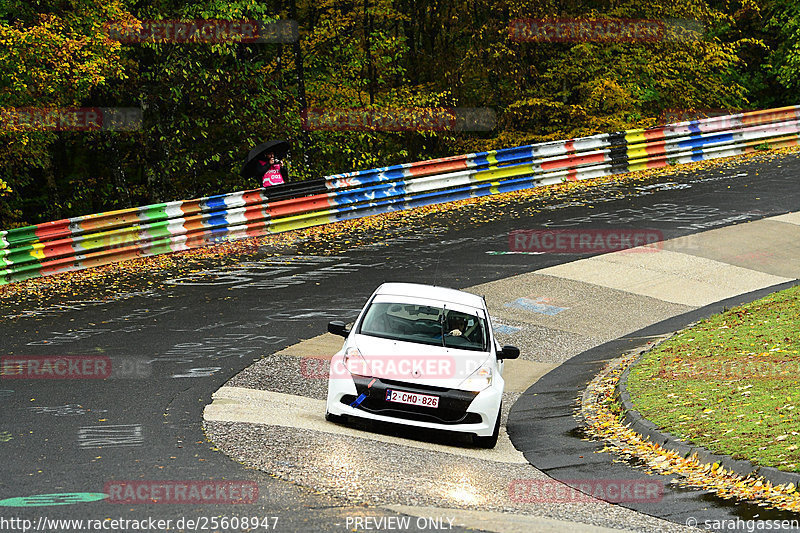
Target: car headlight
355, 363
479, 380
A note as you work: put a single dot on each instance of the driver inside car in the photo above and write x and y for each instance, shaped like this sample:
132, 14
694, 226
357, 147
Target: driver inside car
457, 325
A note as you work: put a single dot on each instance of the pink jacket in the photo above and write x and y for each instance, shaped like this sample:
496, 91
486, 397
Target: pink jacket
272, 176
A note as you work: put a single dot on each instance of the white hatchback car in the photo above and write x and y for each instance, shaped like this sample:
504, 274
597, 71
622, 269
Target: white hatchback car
421, 356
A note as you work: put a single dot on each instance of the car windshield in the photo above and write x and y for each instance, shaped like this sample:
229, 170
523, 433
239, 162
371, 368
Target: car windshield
426, 325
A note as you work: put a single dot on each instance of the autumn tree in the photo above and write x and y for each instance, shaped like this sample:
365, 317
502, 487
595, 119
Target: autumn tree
52, 57
205, 104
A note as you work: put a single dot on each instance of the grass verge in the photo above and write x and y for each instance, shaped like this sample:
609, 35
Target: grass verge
601, 415
730, 383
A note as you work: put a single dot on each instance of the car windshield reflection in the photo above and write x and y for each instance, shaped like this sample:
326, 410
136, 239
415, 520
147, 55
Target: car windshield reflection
425, 325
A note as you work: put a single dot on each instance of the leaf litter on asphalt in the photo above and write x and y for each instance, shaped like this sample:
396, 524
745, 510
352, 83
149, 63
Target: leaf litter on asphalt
336, 237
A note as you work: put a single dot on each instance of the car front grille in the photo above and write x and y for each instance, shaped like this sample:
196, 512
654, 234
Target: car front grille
453, 403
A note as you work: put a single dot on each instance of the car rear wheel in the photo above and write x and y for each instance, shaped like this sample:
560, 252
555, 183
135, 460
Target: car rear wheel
491, 441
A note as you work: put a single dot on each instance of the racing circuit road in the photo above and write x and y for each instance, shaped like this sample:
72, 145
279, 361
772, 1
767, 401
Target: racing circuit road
174, 348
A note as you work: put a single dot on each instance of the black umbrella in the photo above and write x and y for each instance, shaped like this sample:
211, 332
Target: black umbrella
279, 147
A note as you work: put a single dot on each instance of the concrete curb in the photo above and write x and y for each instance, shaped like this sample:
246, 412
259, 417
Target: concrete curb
647, 429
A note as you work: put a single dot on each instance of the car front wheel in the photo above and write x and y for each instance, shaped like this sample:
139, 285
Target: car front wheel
334, 418
491, 441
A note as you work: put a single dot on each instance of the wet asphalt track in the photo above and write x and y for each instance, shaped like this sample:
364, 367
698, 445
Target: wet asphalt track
74, 436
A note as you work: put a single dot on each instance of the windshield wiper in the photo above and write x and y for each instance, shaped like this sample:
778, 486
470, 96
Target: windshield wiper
441, 324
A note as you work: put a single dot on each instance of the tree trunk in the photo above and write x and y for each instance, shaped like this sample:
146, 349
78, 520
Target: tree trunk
301, 81
370, 72
53, 196
120, 183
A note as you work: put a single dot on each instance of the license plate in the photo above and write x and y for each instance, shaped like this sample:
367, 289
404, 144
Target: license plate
412, 398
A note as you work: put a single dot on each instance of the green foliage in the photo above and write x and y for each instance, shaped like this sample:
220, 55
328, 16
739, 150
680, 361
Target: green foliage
783, 24
50, 58
206, 104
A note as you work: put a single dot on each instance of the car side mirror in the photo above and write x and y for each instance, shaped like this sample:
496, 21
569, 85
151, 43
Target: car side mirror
338, 328
508, 352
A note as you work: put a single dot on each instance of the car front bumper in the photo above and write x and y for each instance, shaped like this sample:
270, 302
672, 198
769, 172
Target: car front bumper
458, 410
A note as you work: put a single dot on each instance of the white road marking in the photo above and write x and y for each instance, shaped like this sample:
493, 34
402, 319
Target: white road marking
236, 404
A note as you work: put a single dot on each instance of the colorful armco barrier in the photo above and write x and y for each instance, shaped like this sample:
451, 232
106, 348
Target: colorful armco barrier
92, 240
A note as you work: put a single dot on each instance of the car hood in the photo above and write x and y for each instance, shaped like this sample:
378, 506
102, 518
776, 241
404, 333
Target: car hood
415, 363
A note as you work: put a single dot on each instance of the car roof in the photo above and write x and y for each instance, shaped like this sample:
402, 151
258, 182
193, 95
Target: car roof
431, 292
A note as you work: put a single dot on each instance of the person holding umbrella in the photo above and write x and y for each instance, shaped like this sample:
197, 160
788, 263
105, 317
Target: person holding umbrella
263, 163
274, 172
